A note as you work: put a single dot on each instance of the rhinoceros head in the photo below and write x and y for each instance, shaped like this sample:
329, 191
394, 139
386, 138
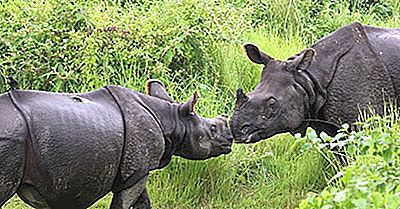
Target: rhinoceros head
202, 138
277, 104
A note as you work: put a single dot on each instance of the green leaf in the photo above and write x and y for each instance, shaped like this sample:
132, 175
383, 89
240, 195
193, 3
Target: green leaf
327, 207
377, 199
340, 196
303, 204
351, 150
360, 203
345, 126
311, 134
387, 154
326, 194
394, 201
325, 137
315, 140
168, 57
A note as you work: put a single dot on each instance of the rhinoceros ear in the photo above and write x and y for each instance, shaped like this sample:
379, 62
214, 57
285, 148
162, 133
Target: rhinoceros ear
241, 98
256, 55
304, 60
156, 88
188, 108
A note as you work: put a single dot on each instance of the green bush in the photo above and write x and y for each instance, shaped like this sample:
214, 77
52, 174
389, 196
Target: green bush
372, 179
78, 45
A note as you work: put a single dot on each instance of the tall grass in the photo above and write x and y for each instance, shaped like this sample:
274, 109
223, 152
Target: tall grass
71, 46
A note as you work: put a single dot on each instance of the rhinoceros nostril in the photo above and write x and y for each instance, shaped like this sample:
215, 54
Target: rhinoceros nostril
223, 118
245, 129
230, 139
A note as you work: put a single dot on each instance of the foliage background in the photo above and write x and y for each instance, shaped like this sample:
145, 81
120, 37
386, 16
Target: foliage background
74, 46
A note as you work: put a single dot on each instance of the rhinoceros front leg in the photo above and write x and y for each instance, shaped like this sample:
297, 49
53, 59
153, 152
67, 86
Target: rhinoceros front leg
143, 201
127, 198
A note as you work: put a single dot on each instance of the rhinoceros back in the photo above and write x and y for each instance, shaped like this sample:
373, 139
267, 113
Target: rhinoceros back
352, 73
75, 146
386, 44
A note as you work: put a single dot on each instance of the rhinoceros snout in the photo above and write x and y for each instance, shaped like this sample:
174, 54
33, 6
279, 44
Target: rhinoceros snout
239, 131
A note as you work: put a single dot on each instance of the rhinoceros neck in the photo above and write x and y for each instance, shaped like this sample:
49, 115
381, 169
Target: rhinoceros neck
316, 94
329, 51
166, 113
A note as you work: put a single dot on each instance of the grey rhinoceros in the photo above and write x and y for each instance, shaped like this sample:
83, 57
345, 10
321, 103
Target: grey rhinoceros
352, 69
66, 151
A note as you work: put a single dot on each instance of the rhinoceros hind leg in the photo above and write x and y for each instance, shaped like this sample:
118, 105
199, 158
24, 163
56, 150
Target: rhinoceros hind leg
12, 160
127, 198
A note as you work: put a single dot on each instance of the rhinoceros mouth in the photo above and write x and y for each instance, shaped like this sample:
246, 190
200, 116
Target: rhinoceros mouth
227, 146
226, 149
254, 137
222, 150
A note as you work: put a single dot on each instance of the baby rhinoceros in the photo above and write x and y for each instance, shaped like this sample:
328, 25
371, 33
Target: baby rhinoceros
66, 151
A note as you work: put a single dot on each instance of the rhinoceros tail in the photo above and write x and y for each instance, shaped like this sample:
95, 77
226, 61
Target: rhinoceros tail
12, 83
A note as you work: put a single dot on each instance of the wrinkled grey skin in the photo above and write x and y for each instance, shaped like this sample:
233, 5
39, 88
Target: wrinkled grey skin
352, 69
66, 151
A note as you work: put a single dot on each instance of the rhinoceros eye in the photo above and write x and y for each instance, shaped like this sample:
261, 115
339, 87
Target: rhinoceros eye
271, 102
245, 129
213, 128
271, 105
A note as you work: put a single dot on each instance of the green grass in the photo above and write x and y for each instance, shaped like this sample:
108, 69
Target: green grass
189, 45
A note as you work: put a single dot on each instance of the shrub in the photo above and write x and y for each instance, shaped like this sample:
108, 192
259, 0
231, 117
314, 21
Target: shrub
78, 45
372, 180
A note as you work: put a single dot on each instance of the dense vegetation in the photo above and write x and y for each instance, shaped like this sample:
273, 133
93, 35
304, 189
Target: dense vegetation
372, 178
71, 46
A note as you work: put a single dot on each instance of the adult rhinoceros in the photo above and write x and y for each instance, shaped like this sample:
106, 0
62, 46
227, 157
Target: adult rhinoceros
65, 151
353, 68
